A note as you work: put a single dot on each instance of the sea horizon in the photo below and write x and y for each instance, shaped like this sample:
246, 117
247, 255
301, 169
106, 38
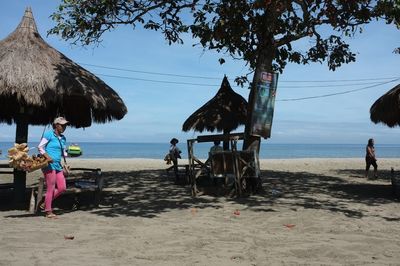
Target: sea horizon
157, 150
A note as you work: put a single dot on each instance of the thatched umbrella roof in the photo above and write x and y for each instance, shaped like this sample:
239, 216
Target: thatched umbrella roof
224, 112
42, 83
387, 108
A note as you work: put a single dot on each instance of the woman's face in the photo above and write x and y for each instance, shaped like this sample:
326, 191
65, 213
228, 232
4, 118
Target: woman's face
61, 128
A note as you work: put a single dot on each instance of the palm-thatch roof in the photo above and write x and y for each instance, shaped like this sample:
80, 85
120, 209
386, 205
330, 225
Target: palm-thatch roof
387, 108
224, 112
42, 83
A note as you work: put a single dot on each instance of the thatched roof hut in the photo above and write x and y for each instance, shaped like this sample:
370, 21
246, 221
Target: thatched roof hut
38, 83
42, 83
224, 112
387, 108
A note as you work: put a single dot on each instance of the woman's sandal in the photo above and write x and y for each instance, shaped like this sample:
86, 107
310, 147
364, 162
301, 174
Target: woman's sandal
51, 216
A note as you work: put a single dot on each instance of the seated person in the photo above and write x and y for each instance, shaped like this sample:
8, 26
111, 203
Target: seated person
216, 146
216, 161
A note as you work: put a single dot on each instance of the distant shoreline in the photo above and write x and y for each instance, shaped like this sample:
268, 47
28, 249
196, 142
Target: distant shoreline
321, 166
94, 150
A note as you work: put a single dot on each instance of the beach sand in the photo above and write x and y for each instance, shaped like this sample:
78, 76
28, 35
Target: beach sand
312, 212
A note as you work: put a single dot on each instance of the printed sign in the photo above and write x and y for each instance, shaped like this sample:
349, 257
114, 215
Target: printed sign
264, 102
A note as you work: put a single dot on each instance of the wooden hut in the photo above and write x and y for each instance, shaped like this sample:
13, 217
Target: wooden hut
386, 109
38, 83
225, 112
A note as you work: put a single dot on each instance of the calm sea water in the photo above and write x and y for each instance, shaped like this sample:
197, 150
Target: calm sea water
268, 151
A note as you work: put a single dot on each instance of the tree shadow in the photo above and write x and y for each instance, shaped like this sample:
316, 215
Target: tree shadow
360, 173
7, 200
149, 193
311, 191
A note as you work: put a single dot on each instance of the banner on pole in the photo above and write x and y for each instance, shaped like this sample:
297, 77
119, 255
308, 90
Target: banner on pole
264, 102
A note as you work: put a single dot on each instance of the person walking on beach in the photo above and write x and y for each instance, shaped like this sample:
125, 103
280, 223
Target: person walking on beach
370, 158
175, 154
52, 147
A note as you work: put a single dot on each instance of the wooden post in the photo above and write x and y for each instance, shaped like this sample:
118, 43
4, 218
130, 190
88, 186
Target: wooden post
226, 141
99, 181
191, 168
32, 202
235, 156
39, 194
21, 136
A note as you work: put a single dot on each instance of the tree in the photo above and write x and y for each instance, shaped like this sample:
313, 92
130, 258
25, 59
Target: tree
263, 33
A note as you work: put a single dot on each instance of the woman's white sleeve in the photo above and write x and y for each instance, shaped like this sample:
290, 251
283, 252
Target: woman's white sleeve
42, 145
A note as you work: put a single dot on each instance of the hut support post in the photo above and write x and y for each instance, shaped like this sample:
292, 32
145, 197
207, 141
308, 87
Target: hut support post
226, 141
192, 176
237, 170
21, 136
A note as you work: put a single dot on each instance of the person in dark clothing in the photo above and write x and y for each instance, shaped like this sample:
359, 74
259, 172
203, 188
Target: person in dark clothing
175, 154
370, 158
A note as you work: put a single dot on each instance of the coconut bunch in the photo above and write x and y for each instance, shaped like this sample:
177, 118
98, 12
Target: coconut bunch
20, 159
18, 155
38, 161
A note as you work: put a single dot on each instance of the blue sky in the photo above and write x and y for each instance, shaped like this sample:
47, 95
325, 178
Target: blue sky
157, 110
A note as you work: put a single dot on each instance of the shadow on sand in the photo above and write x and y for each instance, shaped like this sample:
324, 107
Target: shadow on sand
148, 193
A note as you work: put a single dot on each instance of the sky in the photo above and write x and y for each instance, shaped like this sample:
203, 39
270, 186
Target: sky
157, 109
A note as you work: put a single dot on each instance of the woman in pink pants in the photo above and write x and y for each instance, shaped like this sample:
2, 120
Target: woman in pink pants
52, 147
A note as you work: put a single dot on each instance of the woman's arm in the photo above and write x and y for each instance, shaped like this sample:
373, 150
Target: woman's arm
41, 148
371, 152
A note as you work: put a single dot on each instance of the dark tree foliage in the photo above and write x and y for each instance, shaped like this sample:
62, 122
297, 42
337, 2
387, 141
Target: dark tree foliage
243, 29
85, 21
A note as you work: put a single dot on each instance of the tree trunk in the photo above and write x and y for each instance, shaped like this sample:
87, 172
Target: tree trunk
264, 64
21, 136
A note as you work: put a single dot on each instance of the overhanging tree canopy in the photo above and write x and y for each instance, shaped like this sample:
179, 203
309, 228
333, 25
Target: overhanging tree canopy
242, 28
260, 32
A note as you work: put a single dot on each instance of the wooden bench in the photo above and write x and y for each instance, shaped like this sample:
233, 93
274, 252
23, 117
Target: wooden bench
395, 180
90, 179
6, 169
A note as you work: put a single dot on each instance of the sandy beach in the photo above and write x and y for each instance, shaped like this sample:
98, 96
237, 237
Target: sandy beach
312, 212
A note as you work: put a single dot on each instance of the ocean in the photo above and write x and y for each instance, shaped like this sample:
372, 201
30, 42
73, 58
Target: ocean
93, 150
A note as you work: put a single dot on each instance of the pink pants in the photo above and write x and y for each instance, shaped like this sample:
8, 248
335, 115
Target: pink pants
56, 185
